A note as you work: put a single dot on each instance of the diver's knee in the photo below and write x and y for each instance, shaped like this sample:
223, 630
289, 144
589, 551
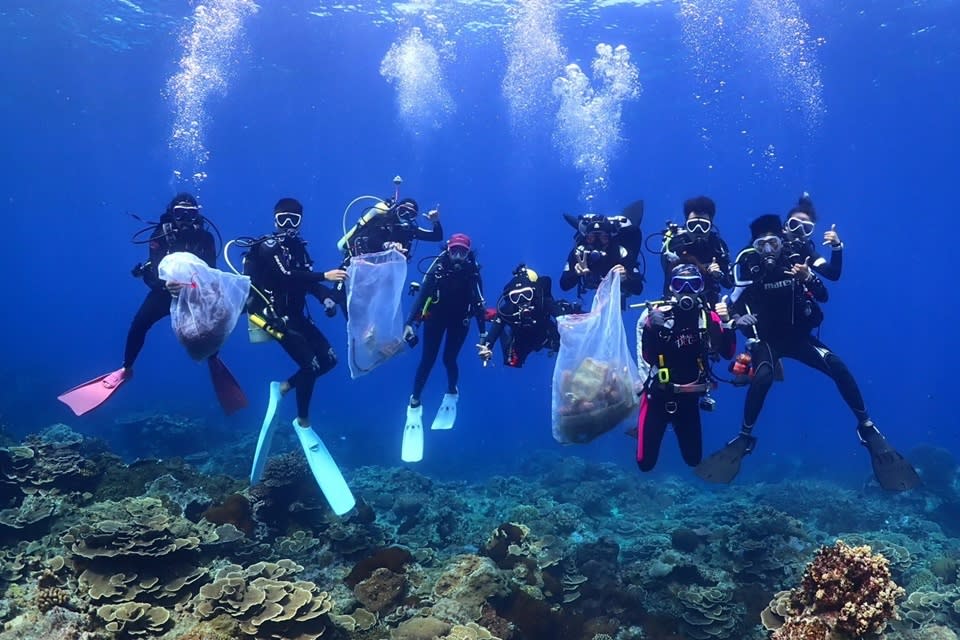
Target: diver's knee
763, 376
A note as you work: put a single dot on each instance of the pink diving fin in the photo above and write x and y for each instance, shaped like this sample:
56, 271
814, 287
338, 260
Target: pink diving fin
90, 395
231, 396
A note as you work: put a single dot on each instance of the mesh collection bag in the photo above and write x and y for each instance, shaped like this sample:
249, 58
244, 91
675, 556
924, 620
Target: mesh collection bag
207, 309
375, 286
595, 380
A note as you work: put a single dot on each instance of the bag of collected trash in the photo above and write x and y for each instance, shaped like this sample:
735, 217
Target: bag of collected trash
375, 285
595, 380
209, 303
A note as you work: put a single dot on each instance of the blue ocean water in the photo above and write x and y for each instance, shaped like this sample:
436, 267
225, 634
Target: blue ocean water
747, 102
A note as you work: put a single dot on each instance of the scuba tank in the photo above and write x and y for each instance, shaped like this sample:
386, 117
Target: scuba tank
378, 209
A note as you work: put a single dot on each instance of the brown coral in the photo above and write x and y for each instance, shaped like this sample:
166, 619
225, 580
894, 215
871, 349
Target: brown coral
381, 590
845, 589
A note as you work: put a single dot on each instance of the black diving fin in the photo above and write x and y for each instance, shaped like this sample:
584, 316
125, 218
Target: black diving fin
723, 466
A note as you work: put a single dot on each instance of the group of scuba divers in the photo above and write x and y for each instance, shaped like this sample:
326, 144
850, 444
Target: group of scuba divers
775, 296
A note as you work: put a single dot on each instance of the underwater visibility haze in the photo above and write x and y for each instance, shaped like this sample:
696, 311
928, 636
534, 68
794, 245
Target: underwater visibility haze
144, 514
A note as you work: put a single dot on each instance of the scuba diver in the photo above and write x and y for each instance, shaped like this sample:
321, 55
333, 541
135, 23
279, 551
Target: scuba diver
281, 275
700, 240
525, 319
603, 243
181, 228
798, 231
387, 224
390, 225
678, 339
451, 294
776, 305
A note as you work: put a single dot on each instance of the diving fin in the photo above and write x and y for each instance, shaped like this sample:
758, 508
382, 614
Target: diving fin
90, 395
893, 471
231, 396
447, 414
325, 470
266, 434
723, 466
412, 448
572, 220
634, 212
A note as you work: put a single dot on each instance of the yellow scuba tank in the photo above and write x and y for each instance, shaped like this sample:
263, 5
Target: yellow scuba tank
259, 330
376, 210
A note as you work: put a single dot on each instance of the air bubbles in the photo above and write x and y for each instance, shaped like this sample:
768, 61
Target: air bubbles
413, 66
216, 27
589, 120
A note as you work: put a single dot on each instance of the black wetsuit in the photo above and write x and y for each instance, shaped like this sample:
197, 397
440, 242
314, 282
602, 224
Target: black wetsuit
529, 326
685, 344
379, 232
167, 237
600, 260
704, 248
805, 248
281, 269
451, 293
787, 312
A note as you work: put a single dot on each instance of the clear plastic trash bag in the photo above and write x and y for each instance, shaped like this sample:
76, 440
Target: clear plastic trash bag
375, 286
595, 380
208, 306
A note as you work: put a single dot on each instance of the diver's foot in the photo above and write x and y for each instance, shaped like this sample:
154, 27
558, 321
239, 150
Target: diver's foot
303, 423
117, 378
285, 387
892, 470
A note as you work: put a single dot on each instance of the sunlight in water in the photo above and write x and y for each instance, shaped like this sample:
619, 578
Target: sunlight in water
208, 50
589, 119
534, 58
413, 66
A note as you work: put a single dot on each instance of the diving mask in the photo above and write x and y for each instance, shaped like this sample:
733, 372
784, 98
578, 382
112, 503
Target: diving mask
517, 296
287, 219
692, 284
184, 212
768, 245
597, 237
801, 226
458, 252
699, 225
406, 211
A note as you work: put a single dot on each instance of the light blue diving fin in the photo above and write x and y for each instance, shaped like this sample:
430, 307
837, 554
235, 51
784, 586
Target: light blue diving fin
447, 414
266, 434
325, 470
412, 448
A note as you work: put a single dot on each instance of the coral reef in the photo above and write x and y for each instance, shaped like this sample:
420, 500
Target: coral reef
96, 549
266, 602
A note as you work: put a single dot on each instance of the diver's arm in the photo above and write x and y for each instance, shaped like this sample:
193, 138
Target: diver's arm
816, 287
725, 277
208, 250
569, 278
653, 342
632, 280
158, 247
830, 270
494, 334
724, 341
479, 309
430, 235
